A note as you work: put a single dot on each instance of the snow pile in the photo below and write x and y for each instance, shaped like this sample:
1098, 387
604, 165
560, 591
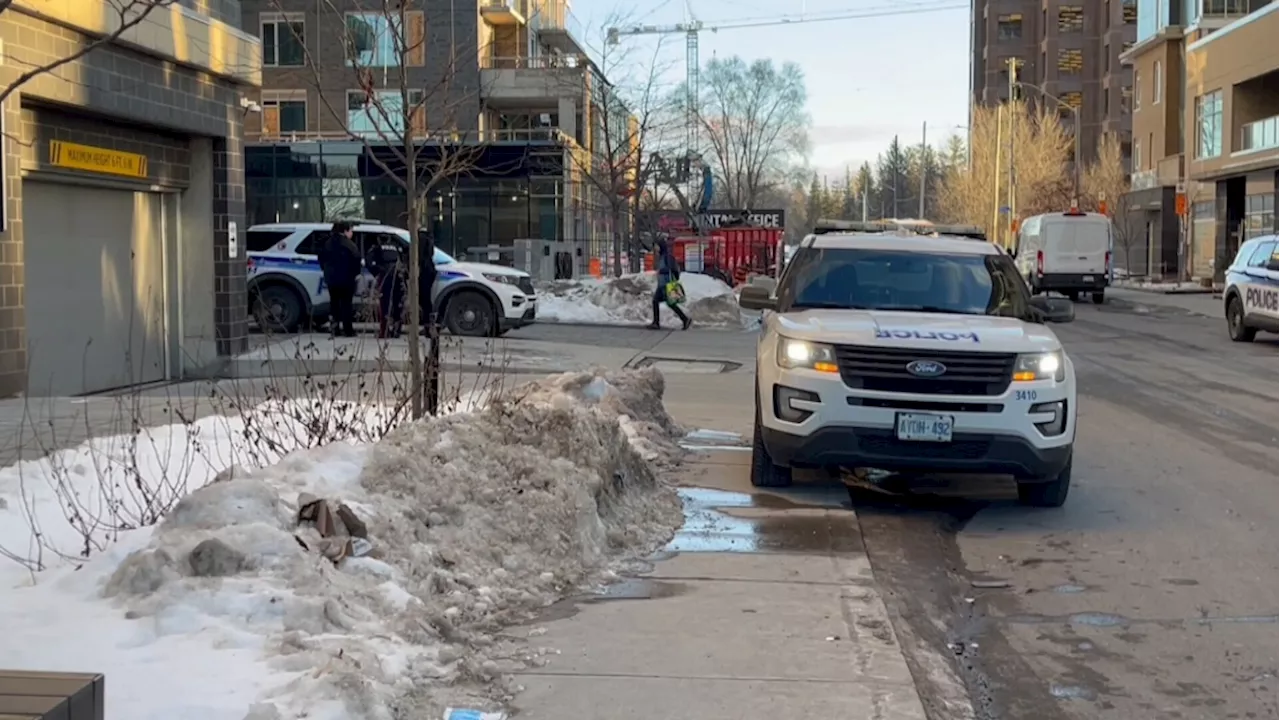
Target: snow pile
629, 300
474, 520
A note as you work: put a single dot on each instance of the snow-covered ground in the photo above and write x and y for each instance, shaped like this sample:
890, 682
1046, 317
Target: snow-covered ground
628, 301
229, 608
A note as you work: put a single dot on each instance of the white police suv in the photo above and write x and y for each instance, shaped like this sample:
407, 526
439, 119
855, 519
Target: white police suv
287, 290
1252, 291
911, 352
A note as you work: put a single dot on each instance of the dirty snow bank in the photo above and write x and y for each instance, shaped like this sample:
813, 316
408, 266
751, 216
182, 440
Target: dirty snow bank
628, 300
474, 520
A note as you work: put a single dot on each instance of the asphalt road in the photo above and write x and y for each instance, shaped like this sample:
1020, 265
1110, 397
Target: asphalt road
1153, 592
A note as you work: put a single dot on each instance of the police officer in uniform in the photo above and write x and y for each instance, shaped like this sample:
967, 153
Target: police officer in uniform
386, 260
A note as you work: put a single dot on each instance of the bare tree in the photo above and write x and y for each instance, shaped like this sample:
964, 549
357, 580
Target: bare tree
1104, 184
630, 119
753, 117
1041, 147
124, 15
423, 118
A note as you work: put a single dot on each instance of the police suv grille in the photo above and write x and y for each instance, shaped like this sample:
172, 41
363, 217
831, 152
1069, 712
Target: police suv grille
885, 369
526, 285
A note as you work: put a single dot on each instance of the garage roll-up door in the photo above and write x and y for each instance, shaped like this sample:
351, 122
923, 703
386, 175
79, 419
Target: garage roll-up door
95, 297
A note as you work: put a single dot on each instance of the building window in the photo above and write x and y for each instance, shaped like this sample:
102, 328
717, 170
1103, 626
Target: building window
283, 40
1106, 15
1137, 156
1137, 89
1073, 99
283, 116
1157, 78
1202, 210
1009, 27
382, 116
1106, 103
1106, 58
379, 40
1070, 19
1070, 62
1260, 218
1129, 11
1209, 125
1126, 100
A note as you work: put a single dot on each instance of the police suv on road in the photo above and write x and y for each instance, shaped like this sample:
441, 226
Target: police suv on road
888, 348
286, 287
1253, 290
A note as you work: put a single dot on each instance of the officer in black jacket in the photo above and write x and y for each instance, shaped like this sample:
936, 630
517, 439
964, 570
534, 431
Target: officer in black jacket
340, 263
387, 261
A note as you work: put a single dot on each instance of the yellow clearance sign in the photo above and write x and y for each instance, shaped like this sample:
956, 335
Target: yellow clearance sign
99, 160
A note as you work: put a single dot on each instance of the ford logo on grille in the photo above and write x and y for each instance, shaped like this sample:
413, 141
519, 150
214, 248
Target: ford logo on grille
926, 368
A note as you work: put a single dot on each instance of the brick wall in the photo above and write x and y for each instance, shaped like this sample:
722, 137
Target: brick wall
451, 75
115, 97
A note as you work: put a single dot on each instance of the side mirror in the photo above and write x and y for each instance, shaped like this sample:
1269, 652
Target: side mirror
1273, 265
754, 297
1013, 251
1054, 310
764, 281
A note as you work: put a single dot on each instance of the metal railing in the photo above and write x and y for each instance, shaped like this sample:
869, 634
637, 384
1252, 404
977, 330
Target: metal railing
1258, 135
556, 15
548, 134
520, 7
541, 62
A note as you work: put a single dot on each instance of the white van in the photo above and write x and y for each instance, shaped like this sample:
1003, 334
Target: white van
1068, 252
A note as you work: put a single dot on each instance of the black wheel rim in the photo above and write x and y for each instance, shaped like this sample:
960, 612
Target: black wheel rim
471, 315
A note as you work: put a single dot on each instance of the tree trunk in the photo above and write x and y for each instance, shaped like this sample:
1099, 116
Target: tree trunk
415, 272
617, 239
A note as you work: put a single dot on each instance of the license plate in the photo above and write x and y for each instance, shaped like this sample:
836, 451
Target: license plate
1088, 278
923, 427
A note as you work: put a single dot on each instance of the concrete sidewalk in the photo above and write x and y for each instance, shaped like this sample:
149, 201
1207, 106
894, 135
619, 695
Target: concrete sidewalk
766, 608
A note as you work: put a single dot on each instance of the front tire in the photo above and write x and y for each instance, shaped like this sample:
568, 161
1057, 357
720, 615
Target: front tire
764, 473
470, 314
278, 309
1050, 493
1236, 328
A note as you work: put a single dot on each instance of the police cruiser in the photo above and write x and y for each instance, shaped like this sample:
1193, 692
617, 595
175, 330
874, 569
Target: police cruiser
1253, 290
286, 287
911, 350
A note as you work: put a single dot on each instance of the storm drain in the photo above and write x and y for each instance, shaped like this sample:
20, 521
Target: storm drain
690, 366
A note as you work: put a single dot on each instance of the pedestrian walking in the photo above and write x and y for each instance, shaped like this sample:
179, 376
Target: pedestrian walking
668, 270
340, 263
386, 260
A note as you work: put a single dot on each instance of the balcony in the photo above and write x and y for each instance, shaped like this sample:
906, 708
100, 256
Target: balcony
504, 13
1258, 135
559, 28
531, 81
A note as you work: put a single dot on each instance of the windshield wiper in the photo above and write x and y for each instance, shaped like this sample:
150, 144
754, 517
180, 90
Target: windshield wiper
925, 308
827, 306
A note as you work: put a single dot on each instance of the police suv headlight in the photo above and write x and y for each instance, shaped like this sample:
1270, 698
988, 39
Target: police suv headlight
1040, 366
794, 354
502, 279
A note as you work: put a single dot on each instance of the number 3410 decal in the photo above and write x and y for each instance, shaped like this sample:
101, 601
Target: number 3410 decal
1029, 395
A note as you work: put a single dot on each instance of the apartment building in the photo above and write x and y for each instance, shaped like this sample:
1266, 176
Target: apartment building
1204, 171
123, 191
1068, 50
511, 78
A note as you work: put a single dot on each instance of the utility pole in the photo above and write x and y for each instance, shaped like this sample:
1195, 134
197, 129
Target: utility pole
995, 178
1013, 113
864, 202
924, 164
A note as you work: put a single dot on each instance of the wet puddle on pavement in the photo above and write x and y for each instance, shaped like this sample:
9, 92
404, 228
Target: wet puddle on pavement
809, 521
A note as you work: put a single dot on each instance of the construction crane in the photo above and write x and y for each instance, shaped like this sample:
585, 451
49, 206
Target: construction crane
692, 27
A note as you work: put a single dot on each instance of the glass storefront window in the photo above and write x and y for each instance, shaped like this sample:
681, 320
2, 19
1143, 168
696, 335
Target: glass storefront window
471, 224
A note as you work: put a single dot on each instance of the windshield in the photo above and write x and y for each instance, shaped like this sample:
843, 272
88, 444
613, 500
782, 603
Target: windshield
895, 280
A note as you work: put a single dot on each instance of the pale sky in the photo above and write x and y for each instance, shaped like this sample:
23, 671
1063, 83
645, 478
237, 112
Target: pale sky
868, 79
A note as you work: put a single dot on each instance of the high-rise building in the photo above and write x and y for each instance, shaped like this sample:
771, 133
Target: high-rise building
514, 78
1068, 49
1205, 112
